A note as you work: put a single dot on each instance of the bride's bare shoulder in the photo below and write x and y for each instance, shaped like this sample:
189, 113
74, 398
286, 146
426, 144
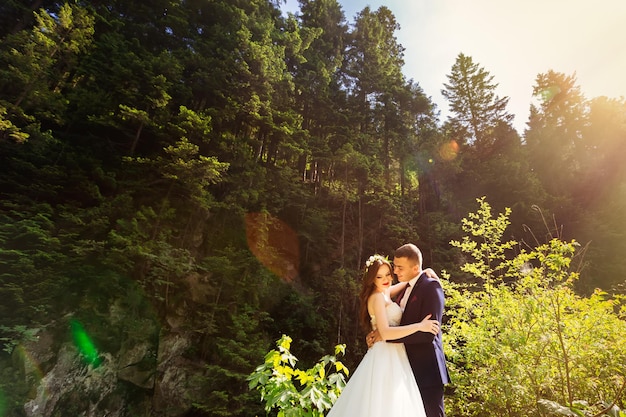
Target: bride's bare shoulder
373, 299
378, 298
375, 296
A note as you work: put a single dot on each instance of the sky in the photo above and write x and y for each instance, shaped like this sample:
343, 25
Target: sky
513, 40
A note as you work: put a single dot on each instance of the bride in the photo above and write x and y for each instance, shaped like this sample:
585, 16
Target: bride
383, 383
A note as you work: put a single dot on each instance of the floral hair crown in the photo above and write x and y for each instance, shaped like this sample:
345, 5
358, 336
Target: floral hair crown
370, 261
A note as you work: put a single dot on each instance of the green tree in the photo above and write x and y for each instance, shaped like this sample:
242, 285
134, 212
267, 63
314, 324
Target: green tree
18, 15
39, 65
476, 109
319, 96
492, 160
373, 66
554, 135
599, 190
375, 85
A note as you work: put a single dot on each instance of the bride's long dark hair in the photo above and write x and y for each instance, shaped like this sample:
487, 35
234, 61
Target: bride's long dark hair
367, 288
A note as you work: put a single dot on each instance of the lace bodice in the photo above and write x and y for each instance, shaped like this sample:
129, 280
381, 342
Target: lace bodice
394, 314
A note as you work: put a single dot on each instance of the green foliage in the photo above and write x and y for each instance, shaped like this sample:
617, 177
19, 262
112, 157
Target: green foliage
582, 409
136, 138
294, 392
30, 259
233, 351
483, 242
12, 336
530, 338
37, 65
8, 130
14, 389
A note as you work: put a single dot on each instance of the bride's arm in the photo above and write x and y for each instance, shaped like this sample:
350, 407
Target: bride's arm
377, 303
430, 273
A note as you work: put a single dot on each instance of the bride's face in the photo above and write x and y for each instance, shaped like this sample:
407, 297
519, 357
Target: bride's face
383, 278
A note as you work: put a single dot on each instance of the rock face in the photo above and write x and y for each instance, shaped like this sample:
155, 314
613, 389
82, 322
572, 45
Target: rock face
125, 361
175, 390
146, 376
69, 382
133, 367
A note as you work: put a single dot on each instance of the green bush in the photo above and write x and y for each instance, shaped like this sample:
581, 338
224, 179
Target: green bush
294, 392
520, 337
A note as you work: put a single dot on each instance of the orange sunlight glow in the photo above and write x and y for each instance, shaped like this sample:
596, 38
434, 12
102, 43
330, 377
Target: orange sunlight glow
274, 244
449, 150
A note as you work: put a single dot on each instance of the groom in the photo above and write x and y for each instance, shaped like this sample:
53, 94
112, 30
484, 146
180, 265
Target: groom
423, 296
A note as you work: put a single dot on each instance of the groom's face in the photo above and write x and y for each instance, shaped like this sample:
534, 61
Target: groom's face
404, 269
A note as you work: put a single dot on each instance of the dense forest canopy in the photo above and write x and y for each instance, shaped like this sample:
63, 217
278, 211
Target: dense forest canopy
217, 172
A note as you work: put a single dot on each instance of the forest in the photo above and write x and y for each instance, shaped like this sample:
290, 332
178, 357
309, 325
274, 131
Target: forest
187, 186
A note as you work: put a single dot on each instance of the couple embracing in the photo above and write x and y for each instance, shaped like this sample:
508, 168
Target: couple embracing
404, 371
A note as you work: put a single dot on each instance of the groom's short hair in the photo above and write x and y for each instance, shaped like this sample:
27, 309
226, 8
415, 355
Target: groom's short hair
411, 252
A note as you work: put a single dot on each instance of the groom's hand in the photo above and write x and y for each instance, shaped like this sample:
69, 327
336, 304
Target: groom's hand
372, 337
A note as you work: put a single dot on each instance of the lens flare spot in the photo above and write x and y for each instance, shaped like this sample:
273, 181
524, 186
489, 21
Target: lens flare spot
547, 94
84, 344
449, 150
31, 369
274, 244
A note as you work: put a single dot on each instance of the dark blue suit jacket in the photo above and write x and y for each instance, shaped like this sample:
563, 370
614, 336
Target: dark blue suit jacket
425, 350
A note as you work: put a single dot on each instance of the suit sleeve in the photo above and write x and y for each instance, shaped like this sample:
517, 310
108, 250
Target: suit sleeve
433, 304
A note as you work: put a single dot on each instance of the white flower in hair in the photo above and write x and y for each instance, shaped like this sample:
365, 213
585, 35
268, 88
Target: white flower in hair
370, 261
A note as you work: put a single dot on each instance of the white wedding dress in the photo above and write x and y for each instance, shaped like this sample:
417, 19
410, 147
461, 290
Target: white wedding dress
383, 384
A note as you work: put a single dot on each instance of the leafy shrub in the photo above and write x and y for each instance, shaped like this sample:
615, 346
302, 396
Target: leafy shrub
294, 392
520, 336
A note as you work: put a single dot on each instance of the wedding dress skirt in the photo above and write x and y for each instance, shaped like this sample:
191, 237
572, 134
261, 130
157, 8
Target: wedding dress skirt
383, 384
